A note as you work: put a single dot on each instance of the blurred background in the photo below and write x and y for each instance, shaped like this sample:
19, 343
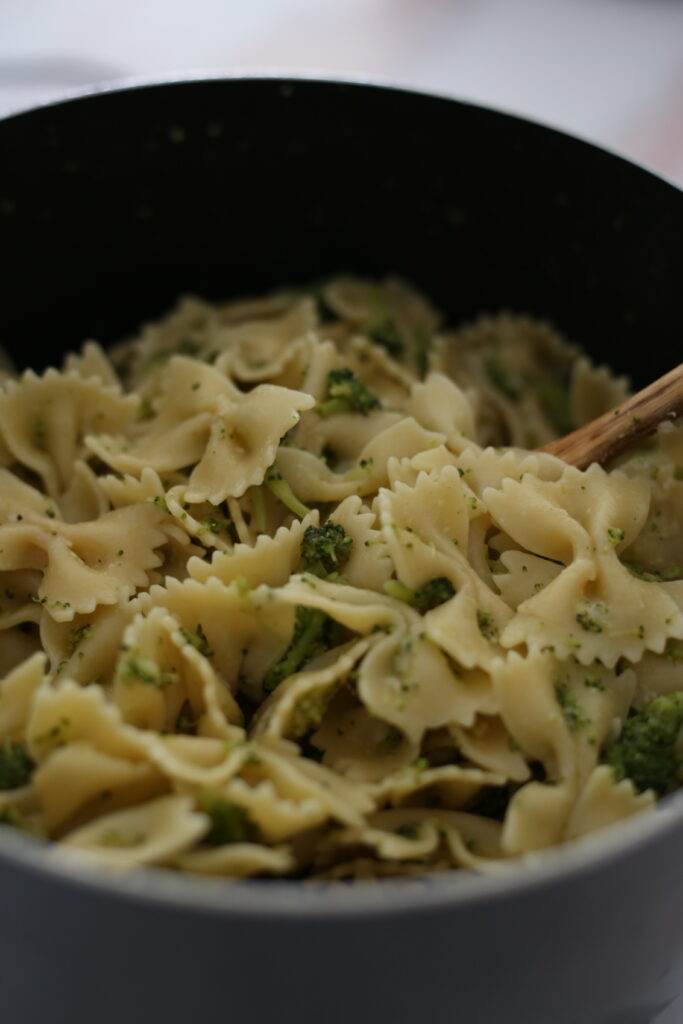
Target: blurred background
608, 70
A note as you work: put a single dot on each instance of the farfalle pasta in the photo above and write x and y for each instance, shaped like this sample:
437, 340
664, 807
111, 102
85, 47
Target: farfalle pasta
285, 591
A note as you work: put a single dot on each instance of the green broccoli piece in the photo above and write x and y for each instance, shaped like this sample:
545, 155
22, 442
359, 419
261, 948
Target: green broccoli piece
572, 711
347, 393
399, 591
645, 751
229, 822
324, 550
314, 633
277, 485
663, 575
430, 595
383, 331
15, 765
198, 640
433, 593
138, 669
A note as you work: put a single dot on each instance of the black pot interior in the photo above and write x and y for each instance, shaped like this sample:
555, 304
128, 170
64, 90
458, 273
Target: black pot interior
112, 205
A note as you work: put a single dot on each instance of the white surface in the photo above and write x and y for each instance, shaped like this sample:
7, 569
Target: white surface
610, 70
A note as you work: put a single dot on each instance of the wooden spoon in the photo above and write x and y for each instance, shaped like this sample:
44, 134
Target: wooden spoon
631, 421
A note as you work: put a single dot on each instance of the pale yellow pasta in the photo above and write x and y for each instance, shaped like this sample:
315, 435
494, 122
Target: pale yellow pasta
286, 591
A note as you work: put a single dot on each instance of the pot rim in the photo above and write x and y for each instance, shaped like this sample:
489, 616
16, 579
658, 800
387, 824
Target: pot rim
278, 898
287, 77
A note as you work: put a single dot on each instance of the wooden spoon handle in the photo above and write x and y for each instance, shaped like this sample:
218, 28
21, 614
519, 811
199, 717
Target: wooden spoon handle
636, 418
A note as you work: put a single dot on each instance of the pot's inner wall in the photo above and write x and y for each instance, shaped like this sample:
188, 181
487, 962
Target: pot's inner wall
113, 205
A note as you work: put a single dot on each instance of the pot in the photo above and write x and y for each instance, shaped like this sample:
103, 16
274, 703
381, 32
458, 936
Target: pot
112, 204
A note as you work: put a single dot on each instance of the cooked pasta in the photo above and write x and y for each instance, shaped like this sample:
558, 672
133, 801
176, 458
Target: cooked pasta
287, 591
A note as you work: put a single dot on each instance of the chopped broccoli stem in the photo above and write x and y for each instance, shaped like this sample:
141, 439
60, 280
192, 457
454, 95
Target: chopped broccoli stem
430, 595
324, 549
347, 393
277, 485
399, 591
314, 633
15, 765
646, 750
229, 822
138, 669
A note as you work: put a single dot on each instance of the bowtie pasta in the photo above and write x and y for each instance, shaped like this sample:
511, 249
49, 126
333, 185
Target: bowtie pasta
286, 590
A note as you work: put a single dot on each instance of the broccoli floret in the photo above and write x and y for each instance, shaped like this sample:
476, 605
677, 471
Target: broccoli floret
433, 593
314, 633
324, 549
229, 822
430, 595
277, 485
347, 393
15, 765
645, 752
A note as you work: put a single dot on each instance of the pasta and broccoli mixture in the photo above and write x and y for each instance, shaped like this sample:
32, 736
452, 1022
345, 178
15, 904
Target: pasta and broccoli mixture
286, 591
